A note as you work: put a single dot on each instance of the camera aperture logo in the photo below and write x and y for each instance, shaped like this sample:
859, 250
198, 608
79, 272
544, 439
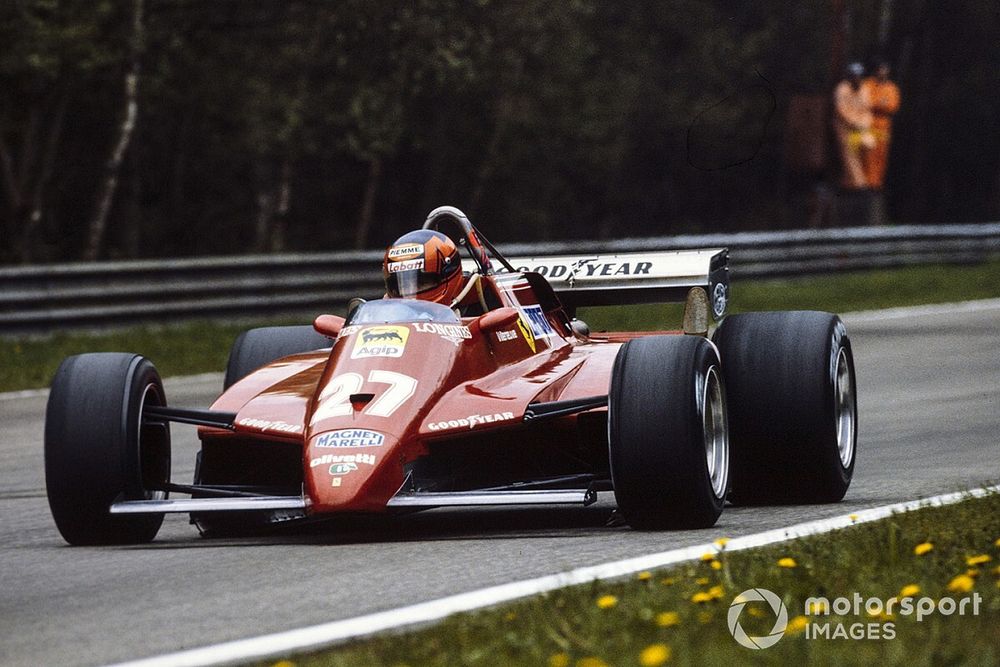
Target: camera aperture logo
836, 620
780, 622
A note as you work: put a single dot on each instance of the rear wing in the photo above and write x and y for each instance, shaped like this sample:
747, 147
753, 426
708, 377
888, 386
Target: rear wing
637, 277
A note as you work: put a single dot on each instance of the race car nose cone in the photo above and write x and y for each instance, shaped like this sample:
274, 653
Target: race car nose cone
350, 469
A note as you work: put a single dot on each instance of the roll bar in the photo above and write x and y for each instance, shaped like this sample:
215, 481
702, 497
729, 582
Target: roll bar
473, 239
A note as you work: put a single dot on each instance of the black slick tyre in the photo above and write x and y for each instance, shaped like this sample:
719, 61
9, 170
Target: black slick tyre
256, 347
792, 406
98, 449
667, 433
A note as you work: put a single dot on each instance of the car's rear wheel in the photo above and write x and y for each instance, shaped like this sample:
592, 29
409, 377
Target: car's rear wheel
99, 449
668, 434
256, 347
793, 406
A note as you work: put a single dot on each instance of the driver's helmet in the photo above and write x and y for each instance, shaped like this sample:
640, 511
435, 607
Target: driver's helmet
423, 265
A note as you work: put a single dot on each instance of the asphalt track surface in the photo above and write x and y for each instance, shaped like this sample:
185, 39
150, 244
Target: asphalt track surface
929, 402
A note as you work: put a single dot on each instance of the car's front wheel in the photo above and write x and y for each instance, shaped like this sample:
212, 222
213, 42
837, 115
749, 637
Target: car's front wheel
98, 448
668, 434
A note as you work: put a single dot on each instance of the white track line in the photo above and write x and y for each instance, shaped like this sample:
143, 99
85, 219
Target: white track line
327, 634
980, 305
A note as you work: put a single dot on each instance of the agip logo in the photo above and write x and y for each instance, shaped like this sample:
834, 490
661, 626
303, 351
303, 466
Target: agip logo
386, 341
777, 607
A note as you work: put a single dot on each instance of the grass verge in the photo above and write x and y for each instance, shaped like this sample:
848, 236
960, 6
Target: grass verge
679, 616
182, 349
201, 347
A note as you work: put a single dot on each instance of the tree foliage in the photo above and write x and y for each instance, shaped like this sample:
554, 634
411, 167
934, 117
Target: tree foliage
308, 125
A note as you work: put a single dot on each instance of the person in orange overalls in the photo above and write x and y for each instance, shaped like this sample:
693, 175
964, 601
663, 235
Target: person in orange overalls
852, 122
883, 96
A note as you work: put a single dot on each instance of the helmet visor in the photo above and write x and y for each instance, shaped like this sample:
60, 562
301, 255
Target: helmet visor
404, 279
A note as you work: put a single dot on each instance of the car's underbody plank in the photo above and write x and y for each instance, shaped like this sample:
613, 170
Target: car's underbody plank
468, 498
208, 505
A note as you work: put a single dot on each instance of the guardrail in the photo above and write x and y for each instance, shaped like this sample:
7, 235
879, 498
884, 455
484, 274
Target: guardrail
56, 297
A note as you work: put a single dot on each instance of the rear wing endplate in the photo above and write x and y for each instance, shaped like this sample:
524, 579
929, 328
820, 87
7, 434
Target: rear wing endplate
631, 278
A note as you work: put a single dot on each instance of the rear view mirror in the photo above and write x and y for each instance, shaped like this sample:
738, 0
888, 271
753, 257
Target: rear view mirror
497, 319
328, 325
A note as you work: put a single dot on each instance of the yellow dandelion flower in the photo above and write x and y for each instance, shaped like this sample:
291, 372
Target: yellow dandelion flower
996, 571
997, 543
755, 612
716, 592
972, 561
668, 619
909, 591
723, 541
644, 576
284, 663
787, 562
816, 608
702, 597
591, 661
715, 565
923, 548
796, 625
852, 517
963, 583
654, 654
559, 660
702, 581
607, 601
668, 581
707, 557
972, 572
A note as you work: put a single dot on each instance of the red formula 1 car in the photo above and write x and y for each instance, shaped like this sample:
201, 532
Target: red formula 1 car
409, 404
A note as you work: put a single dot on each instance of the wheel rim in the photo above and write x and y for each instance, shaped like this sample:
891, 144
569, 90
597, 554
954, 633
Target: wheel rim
715, 429
154, 448
845, 409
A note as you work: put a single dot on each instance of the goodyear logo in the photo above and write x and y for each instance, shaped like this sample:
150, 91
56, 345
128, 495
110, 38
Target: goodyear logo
385, 341
587, 267
472, 421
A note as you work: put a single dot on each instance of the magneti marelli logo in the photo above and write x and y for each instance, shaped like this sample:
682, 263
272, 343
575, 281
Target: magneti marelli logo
780, 622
